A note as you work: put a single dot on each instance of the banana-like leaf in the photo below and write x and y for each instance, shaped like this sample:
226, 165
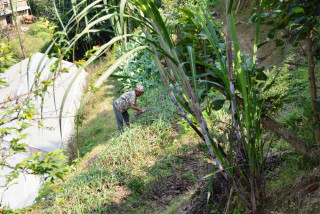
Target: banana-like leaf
89, 26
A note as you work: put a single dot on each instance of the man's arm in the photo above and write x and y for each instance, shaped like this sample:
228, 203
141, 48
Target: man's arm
135, 107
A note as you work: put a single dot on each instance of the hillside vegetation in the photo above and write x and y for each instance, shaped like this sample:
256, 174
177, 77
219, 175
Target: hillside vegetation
231, 122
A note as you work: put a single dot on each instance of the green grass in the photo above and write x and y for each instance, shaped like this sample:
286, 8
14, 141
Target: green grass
297, 115
290, 98
119, 172
97, 120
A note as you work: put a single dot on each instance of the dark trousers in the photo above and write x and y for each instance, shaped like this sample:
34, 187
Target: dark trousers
121, 117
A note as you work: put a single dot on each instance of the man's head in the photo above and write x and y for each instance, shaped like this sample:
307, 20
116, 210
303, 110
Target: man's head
139, 90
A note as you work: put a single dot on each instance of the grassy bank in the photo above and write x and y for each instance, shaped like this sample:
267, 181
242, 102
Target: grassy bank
140, 171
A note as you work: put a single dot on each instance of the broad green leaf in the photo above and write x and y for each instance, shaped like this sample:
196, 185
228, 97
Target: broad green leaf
15, 174
298, 10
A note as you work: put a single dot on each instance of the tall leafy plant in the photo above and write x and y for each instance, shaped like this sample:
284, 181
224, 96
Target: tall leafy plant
138, 69
243, 172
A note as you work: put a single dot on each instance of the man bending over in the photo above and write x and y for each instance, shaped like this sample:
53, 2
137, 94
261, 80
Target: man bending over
123, 103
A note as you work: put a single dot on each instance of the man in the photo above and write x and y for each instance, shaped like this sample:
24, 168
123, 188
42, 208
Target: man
123, 103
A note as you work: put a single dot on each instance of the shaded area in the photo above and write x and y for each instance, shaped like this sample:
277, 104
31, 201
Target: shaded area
97, 130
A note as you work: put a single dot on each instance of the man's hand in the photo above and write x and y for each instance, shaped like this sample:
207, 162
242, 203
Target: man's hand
133, 106
139, 112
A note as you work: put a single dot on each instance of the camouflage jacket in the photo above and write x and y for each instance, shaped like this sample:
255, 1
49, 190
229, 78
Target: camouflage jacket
125, 100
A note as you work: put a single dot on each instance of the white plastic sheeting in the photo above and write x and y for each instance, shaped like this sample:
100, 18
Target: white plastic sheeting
47, 138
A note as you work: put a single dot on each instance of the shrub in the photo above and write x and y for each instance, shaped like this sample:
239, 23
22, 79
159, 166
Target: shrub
36, 38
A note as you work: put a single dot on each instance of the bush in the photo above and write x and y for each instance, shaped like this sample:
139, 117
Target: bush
37, 29
43, 8
36, 38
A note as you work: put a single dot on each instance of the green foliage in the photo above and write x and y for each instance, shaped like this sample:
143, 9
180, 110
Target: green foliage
52, 165
79, 16
158, 105
6, 59
189, 174
280, 146
138, 69
41, 30
37, 39
296, 17
136, 185
188, 33
294, 166
44, 8
289, 98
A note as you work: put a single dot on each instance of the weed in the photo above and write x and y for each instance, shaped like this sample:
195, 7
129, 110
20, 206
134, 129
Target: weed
281, 145
294, 166
189, 174
136, 185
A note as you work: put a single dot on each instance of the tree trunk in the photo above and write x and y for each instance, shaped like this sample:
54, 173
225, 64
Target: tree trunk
313, 87
289, 137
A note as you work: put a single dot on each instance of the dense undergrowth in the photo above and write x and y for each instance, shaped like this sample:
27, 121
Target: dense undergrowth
125, 173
